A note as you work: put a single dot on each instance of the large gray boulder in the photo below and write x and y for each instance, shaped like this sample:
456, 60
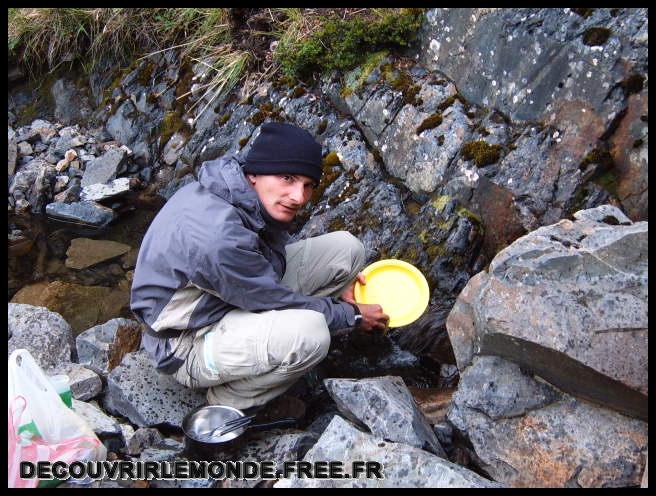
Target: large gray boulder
402, 465
524, 433
137, 391
105, 168
386, 407
45, 334
569, 302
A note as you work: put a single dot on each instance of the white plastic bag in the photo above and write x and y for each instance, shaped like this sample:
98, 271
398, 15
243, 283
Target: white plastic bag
41, 427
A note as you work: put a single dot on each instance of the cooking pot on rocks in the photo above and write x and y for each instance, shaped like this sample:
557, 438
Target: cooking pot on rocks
198, 446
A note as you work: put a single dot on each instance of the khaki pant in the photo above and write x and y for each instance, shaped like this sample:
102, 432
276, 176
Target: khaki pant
246, 359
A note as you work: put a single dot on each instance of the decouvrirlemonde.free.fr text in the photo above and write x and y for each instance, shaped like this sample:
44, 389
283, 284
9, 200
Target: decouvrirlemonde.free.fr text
188, 469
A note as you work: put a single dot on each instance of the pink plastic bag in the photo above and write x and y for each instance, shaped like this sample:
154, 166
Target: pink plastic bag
58, 433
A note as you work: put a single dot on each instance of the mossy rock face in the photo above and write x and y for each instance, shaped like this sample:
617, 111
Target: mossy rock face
481, 152
430, 123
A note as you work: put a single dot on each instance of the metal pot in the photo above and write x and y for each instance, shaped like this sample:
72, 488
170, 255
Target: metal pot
221, 448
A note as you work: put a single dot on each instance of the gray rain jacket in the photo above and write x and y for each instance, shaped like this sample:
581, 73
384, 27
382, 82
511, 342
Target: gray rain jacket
208, 251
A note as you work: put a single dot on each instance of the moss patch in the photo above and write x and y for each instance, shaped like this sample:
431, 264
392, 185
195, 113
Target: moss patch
447, 102
321, 128
440, 202
585, 13
297, 92
430, 122
596, 36
402, 81
481, 152
242, 142
633, 84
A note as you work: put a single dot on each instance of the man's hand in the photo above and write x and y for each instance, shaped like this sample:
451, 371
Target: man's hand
372, 317
349, 293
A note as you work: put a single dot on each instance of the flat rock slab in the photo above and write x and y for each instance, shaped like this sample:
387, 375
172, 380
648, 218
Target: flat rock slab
568, 301
104, 168
86, 212
99, 191
402, 465
137, 391
387, 408
526, 434
85, 252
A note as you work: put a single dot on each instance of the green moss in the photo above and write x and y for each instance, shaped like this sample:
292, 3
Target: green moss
284, 82
597, 156
412, 207
608, 181
633, 84
223, 119
321, 128
435, 251
258, 117
423, 236
430, 122
355, 79
145, 74
403, 82
481, 152
596, 36
447, 102
171, 123
345, 44
266, 107
463, 212
297, 92
337, 224
330, 173
585, 13
331, 160
440, 202
242, 142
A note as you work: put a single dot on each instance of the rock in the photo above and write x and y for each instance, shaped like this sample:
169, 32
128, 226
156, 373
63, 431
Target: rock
71, 194
85, 383
86, 212
34, 181
137, 391
165, 450
82, 306
387, 408
102, 424
12, 151
24, 148
71, 105
70, 155
525, 434
102, 347
85, 252
402, 465
97, 192
104, 168
578, 294
141, 439
170, 188
45, 334
173, 148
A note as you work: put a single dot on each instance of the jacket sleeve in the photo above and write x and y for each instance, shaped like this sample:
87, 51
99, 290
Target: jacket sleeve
240, 275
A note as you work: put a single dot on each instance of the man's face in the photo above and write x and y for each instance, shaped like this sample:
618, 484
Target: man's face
282, 194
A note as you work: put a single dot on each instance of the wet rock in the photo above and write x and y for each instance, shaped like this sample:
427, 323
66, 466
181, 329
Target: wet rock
137, 391
85, 252
71, 105
104, 168
578, 291
387, 408
165, 450
81, 306
526, 435
86, 212
102, 347
12, 150
173, 148
489, 71
403, 465
142, 439
102, 424
45, 334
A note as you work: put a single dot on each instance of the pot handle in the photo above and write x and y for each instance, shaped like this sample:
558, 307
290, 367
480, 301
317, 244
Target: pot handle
284, 421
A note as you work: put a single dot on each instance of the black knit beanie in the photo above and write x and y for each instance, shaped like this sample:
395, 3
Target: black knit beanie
284, 149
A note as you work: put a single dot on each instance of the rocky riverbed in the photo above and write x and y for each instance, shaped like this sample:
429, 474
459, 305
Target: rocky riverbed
517, 184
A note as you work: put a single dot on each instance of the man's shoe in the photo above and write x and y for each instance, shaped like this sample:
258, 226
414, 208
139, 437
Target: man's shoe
283, 406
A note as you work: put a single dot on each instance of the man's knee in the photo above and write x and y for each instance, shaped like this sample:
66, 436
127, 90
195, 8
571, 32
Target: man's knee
305, 338
353, 244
